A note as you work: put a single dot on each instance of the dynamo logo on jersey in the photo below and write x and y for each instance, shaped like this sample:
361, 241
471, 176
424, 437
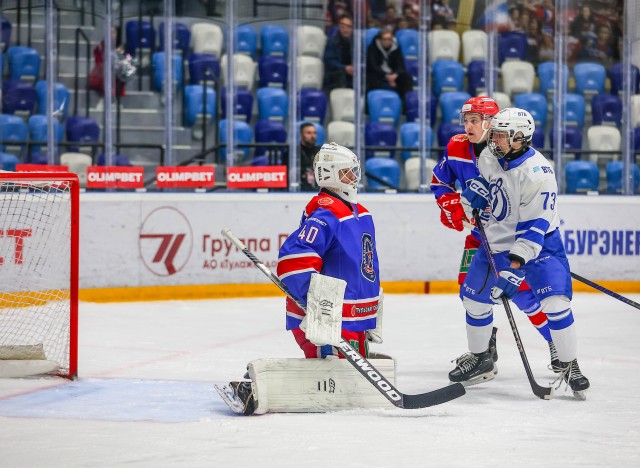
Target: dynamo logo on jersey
499, 200
366, 266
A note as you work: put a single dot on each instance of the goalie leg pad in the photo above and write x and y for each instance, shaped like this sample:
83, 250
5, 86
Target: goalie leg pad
315, 385
323, 323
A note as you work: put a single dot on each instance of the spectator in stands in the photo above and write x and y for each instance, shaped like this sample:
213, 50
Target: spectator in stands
336, 9
545, 50
96, 76
534, 38
442, 14
410, 16
385, 65
583, 24
338, 57
546, 13
308, 150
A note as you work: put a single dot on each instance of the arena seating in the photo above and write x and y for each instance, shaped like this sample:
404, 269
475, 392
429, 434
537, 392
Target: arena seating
310, 72
410, 136
615, 77
311, 41
448, 75
443, 45
207, 38
157, 63
244, 70
78, 164
8, 162
269, 132
572, 138
243, 103
512, 45
606, 109
614, 176
517, 77
24, 63
61, 98
181, 38
475, 44
38, 131
546, 77
589, 79
603, 138
384, 106
312, 105
581, 176
412, 109
203, 66
139, 35
242, 133
194, 104
574, 109
341, 132
409, 42
82, 130
412, 172
342, 102
246, 39
536, 104
446, 130
380, 134
12, 130
18, 98
273, 104
274, 40
451, 104
272, 71
386, 169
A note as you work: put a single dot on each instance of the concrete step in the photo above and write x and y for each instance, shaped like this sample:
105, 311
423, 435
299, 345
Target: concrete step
133, 118
155, 135
67, 32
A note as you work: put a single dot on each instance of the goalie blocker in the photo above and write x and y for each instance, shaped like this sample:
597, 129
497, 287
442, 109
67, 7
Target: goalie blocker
307, 386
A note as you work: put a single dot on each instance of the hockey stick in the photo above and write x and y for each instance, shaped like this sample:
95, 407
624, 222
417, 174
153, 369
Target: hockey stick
545, 393
362, 365
605, 290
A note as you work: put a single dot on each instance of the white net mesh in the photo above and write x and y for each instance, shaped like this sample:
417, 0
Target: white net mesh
35, 266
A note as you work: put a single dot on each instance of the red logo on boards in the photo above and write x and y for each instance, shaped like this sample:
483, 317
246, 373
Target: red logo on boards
166, 241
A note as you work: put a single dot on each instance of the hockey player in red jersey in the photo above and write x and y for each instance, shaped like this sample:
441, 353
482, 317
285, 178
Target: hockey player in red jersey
330, 265
459, 163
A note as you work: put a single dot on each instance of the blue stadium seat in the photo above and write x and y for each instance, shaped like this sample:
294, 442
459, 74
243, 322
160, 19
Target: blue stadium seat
590, 78
24, 63
321, 135
385, 169
61, 98
12, 129
636, 139
193, 104
5, 33
537, 139
512, 45
1, 62
272, 72
145, 38
536, 104
606, 109
413, 68
448, 75
380, 134
246, 39
118, 160
242, 133
572, 138
614, 176
273, 104
446, 130
269, 132
157, 63
546, 77
451, 104
38, 131
243, 103
384, 106
582, 176
181, 38
313, 105
203, 66
8, 162
369, 35
18, 96
82, 130
476, 77
410, 136
274, 40
615, 76
409, 42
412, 108
574, 109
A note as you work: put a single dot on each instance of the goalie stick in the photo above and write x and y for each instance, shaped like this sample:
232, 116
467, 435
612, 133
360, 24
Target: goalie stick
605, 290
362, 365
545, 393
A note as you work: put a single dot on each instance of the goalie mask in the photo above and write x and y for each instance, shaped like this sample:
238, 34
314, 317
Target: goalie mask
509, 127
337, 168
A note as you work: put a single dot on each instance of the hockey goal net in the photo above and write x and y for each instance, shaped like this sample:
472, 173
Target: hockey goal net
38, 274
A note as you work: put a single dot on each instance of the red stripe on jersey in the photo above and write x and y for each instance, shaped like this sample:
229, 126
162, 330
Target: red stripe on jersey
359, 310
288, 265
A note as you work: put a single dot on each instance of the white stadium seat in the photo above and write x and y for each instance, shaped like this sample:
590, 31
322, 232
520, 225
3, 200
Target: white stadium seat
474, 45
502, 99
244, 70
635, 110
443, 45
517, 77
78, 164
207, 38
603, 138
310, 72
343, 133
342, 102
311, 41
412, 171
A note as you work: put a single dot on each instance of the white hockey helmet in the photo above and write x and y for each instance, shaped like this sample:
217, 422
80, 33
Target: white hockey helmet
337, 168
517, 124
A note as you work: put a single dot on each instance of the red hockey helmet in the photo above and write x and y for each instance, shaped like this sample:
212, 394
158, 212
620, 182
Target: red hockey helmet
483, 105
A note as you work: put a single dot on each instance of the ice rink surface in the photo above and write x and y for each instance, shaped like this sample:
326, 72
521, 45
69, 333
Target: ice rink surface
145, 394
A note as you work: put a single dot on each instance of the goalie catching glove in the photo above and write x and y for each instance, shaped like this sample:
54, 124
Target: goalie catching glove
323, 323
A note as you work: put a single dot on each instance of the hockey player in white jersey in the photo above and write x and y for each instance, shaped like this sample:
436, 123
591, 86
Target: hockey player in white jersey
519, 187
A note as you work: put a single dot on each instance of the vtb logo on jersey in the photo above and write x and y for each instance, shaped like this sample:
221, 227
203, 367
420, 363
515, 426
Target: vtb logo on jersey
499, 200
366, 266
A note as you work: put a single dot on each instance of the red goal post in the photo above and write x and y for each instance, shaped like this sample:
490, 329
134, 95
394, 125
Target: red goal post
39, 245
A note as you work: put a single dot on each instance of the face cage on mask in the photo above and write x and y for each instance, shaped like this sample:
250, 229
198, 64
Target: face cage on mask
497, 151
351, 174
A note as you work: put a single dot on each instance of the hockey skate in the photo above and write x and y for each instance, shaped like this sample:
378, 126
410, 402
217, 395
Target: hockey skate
472, 369
493, 347
238, 396
556, 366
572, 375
